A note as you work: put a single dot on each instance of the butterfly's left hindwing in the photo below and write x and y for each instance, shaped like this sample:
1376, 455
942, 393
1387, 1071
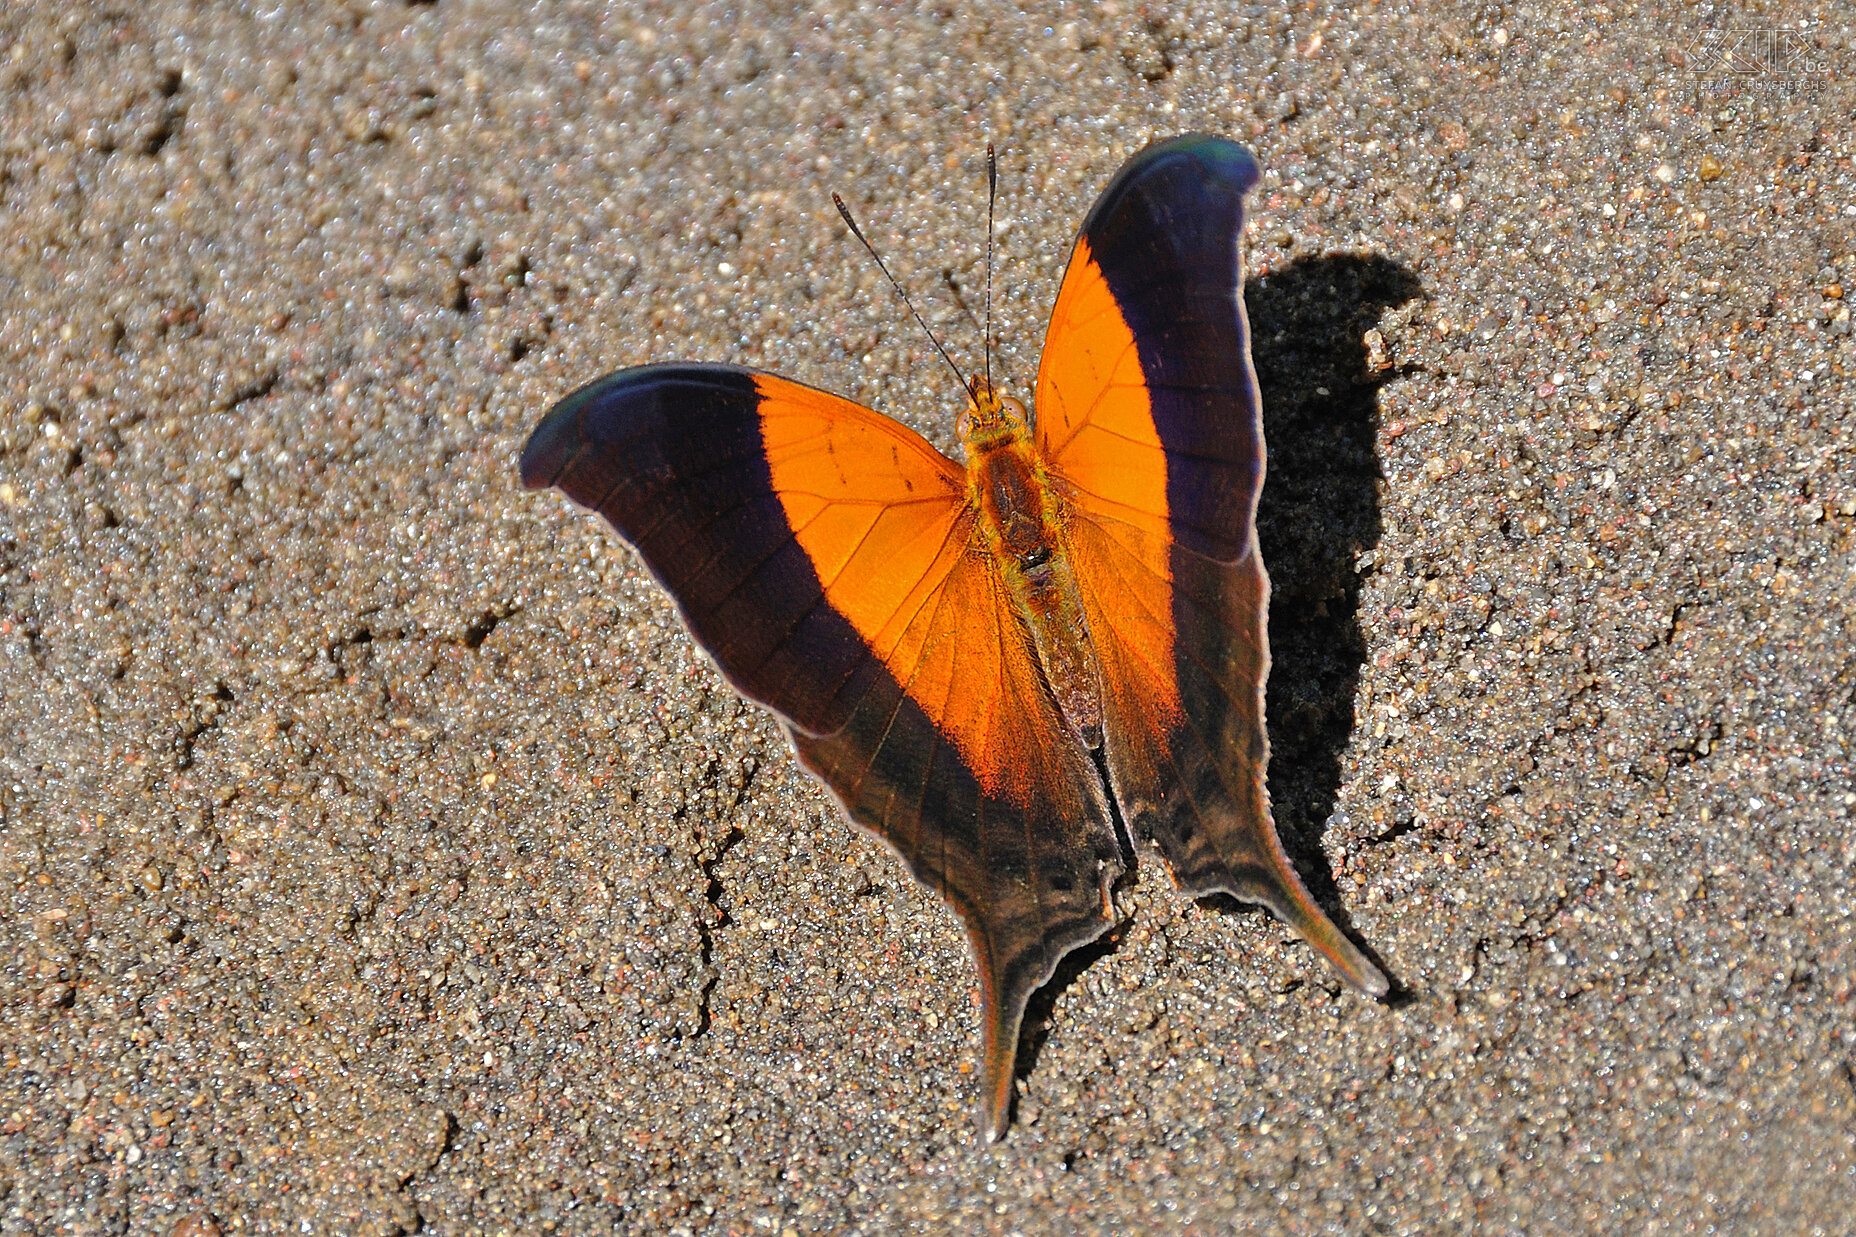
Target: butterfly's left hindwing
825, 557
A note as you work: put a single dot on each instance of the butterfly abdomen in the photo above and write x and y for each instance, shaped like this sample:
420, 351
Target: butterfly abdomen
1020, 525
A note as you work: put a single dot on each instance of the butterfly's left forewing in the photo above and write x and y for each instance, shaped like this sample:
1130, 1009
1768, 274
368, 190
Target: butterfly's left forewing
825, 556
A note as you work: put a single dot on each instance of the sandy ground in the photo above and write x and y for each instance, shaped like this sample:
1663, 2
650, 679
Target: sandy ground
379, 856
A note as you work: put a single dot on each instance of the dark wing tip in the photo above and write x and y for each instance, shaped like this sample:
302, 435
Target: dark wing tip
1220, 170
608, 408
1218, 156
563, 431
545, 455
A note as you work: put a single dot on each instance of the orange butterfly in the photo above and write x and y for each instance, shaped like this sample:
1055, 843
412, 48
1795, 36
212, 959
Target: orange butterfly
990, 664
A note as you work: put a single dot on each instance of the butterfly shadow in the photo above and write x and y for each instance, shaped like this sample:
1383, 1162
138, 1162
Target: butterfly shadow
1319, 511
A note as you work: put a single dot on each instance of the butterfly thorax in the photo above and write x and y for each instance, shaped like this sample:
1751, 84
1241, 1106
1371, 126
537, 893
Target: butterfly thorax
1020, 526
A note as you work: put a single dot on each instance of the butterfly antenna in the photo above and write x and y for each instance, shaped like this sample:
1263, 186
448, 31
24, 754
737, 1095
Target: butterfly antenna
871, 249
992, 198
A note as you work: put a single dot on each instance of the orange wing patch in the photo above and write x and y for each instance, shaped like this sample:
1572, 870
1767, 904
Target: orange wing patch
1123, 574
1094, 418
973, 674
880, 513
885, 520
1096, 429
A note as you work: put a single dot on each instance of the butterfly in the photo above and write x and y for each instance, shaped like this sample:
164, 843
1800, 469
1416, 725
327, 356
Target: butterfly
994, 665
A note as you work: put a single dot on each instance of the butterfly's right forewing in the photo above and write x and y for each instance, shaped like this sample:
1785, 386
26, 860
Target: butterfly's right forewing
1148, 414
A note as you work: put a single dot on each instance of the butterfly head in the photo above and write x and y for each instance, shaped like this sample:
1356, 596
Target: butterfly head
989, 416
